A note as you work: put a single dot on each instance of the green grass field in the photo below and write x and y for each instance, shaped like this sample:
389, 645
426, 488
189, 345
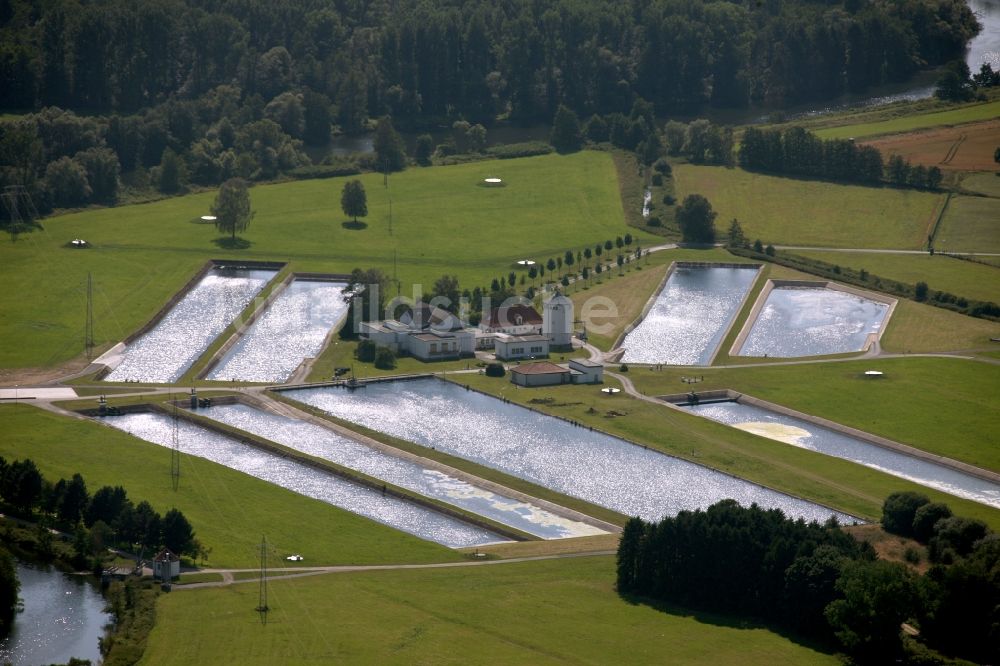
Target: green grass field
909, 122
548, 612
229, 510
962, 278
983, 183
787, 211
442, 222
942, 405
970, 224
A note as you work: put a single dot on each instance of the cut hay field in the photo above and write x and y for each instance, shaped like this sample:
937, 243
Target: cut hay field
987, 183
941, 273
228, 510
970, 224
907, 122
789, 211
544, 612
961, 148
442, 222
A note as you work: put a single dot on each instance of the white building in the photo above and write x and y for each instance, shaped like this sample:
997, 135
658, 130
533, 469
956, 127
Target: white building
580, 371
166, 565
424, 332
557, 322
516, 347
517, 319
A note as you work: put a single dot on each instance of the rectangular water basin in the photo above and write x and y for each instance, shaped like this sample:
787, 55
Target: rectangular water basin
806, 435
386, 509
691, 315
315, 440
165, 352
293, 327
812, 320
573, 460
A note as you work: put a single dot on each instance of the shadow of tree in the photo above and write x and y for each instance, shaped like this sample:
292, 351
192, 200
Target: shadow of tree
729, 621
354, 226
229, 243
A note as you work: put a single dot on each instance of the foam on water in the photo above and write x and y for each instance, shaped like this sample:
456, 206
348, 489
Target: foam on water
804, 434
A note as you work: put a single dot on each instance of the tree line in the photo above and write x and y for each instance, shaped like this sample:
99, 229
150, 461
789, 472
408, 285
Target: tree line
796, 151
820, 582
427, 61
99, 520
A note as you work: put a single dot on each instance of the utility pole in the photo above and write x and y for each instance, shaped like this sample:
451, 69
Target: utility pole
175, 448
262, 606
88, 335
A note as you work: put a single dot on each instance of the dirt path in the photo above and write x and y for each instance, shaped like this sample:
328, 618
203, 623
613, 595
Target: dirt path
228, 578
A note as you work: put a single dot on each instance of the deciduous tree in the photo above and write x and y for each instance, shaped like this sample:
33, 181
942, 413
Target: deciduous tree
232, 207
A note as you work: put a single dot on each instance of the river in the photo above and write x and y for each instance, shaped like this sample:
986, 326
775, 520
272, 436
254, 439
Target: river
63, 617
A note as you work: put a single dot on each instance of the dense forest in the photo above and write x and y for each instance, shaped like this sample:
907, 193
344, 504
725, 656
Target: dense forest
819, 582
441, 60
158, 95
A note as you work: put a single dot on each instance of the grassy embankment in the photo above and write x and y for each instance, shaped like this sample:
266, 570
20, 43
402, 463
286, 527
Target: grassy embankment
534, 612
970, 224
790, 211
229, 510
962, 278
940, 405
879, 123
844, 485
443, 221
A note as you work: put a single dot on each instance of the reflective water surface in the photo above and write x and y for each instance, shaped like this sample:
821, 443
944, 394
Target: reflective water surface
573, 460
166, 352
690, 316
292, 328
804, 434
318, 441
402, 515
63, 618
810, 321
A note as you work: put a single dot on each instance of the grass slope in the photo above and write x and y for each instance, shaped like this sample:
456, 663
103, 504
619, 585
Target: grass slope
549, 612
840, 484
908, 122
941, 273
942, 405
229, 510
442, 222
789, 211
970, 224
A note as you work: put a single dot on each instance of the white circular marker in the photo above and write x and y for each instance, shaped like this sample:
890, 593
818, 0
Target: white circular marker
208, 218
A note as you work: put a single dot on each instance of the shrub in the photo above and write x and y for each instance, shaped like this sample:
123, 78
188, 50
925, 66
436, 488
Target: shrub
654, 221
657, 179
525, 149
623, 368
926, 517
325, 170
898, 511
366, 351
385, 359
920, 291
495, 370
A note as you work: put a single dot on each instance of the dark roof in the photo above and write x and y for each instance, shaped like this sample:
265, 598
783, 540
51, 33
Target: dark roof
424, 316
540, 368
503, 317
507, 339
165, 555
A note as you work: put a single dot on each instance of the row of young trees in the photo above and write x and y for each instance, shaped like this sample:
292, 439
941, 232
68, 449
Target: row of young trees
819, 581
105, 518
799, 152
436, 60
